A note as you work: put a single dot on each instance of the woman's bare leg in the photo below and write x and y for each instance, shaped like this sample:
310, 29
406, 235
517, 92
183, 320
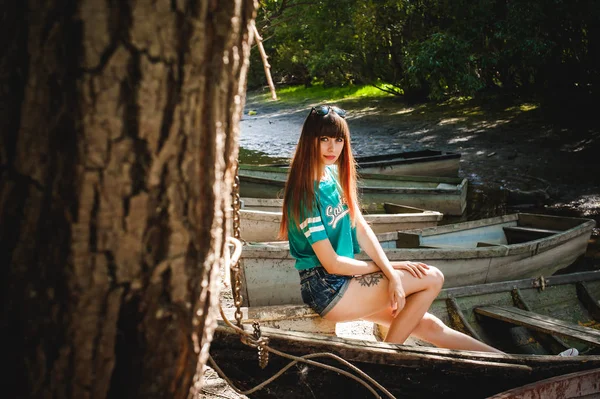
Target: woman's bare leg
431, 329
369, 295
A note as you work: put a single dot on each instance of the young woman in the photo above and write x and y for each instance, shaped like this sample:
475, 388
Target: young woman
325, 228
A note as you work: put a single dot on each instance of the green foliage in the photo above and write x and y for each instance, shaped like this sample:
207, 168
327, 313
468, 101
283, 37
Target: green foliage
548, 48
444, 64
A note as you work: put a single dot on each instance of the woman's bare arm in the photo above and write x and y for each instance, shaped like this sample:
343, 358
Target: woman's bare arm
342, 265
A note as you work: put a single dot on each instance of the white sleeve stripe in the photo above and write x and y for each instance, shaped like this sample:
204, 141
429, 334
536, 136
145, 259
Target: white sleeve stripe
314, 230
309, 220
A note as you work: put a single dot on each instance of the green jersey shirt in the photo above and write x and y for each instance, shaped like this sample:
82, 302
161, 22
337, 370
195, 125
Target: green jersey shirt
329, 218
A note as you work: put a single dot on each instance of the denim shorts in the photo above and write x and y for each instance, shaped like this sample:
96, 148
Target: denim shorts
321, 290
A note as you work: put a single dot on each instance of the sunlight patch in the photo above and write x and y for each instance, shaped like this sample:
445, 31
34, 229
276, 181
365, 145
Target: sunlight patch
451, 121
523, 107
473, 111
489, 124
404, 111
578, 146
528, 107
427, 138
460, 139
589, 204
417, 132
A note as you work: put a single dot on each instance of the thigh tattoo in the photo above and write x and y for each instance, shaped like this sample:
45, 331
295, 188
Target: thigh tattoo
370, 280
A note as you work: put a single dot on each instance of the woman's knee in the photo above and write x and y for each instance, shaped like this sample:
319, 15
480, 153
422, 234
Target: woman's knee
436, 276
429, 326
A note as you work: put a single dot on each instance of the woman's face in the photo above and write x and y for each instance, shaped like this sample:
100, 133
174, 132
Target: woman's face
331, 148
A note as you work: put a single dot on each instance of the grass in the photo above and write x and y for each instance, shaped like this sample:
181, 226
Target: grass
318, 93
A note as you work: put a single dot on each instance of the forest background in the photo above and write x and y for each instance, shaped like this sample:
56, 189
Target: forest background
548, 49
519, 79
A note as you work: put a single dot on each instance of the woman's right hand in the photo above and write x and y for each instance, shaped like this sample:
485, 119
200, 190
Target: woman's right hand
397, 295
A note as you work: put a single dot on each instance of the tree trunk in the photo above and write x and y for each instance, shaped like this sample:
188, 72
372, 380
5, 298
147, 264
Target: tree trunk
119, 124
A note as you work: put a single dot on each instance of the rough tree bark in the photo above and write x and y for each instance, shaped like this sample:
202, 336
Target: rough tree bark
118, 132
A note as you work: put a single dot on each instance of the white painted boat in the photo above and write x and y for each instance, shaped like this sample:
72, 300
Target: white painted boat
412, 163
565, 314
489, 250
443, 194
260, 218
409, 163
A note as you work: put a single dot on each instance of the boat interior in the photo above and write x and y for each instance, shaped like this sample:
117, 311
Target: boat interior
507, 230
530, 316
534, 316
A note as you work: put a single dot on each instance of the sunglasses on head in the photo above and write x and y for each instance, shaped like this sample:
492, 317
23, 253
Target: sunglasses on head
323, 110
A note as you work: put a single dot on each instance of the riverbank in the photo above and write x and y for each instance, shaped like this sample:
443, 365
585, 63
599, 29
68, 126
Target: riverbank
550, 164
505, 148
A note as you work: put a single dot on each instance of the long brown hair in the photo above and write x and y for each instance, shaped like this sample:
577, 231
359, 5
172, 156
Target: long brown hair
306, 168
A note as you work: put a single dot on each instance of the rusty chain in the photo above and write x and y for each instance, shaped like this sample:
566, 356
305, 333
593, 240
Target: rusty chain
236, 277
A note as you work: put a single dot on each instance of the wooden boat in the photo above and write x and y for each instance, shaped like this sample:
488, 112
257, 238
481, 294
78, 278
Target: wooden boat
560, 312
443, 194
584, 384
412, 163
409, 163
481, 251
260, 218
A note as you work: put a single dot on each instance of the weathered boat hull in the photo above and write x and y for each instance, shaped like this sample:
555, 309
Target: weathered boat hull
402, 370
414, 163
409, 163
424, 372
260, 218
442, 194
583, 384
271, 279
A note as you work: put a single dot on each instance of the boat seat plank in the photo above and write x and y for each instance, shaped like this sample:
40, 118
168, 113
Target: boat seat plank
285, 317
444, 246
531, 230
540, 322
517, 234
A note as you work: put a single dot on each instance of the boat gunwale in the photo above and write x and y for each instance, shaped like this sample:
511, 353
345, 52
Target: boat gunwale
384, 160
457, 188
502, 250
395, 354
361, 176
503, 286
386, 218
559, 383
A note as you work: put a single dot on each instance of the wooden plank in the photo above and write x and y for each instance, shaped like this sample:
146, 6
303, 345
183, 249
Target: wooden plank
491, 288
589, 300
518, 234
395, 208
458, 319
285, 317
533, 230
583, 384
541, 323
445, 246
